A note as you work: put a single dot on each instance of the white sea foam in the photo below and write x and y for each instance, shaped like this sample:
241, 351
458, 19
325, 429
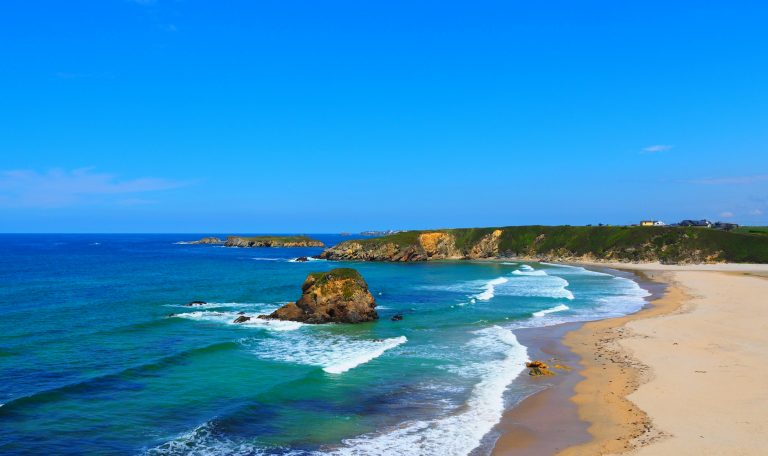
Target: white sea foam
526, 267
269, 259
257, 306
558, 308
489, 288
204, 440
229, 317
335, 354
459, 433
630, 300
575, 270
530, 272
309, 260
365, 356
529, 282
536, 283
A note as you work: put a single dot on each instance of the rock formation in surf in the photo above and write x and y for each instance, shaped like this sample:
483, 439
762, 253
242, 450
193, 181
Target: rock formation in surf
337, 296
538, 368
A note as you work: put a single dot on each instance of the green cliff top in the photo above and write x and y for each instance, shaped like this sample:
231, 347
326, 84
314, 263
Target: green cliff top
743, 245
338, 273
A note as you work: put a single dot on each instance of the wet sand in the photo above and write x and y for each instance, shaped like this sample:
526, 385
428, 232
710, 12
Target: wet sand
546, 421
685, 375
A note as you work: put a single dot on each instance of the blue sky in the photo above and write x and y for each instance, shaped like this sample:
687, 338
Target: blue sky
287, 116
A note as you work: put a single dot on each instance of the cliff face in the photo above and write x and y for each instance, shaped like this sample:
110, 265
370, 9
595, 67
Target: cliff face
672, 245
431, 245
338, 296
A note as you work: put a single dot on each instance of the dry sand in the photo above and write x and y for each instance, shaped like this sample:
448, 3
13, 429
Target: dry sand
687, 376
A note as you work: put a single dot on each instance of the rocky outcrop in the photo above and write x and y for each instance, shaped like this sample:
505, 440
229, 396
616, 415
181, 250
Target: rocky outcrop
538, 368
241, 319
487, 246
439, 245
260, 241
208, 240
431, 245
428, 246
196, 303
272, 241
337, 296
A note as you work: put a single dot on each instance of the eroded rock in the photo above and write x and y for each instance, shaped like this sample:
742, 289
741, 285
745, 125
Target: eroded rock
337, 296
538, 368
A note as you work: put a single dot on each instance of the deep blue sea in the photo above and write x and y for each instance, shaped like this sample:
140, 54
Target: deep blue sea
99, 353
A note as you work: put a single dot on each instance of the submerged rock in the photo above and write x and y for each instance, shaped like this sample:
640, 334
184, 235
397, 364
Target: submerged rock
301, 259
241, 319
337, 296
196, 303
538, 368
397, 317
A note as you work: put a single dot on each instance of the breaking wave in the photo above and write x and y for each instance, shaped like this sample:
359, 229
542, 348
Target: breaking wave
458, 433
559, 308
335, 354
229, 317
489, 289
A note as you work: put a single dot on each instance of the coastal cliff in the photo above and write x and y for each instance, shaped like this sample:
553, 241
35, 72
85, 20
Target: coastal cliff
262, 241
337, 296
670, 245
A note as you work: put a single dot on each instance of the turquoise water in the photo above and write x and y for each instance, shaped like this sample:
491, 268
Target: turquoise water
100, 355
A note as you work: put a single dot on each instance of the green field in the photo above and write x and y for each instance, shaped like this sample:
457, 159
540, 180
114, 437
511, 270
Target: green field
759, 230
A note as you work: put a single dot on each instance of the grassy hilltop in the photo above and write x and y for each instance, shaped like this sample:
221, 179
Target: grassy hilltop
600, 243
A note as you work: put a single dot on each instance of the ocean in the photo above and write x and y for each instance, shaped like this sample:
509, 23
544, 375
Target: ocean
99, 353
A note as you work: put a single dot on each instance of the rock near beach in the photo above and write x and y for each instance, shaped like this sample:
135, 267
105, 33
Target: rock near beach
538, 368
337, 296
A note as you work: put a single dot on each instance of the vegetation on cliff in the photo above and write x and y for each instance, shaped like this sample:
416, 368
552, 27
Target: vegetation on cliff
592, 243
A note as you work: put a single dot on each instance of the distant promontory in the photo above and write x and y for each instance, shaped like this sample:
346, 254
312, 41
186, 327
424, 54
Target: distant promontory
664, 244
262, 241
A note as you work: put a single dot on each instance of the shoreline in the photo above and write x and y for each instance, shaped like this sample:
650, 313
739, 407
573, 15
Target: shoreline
548, 421
620, 395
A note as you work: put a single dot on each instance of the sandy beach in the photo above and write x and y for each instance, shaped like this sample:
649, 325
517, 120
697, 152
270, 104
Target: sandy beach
686, 375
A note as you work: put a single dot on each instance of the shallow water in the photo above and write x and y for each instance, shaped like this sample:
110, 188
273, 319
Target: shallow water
91, 361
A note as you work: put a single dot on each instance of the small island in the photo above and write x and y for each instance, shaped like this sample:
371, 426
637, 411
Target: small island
337, 296
261, 241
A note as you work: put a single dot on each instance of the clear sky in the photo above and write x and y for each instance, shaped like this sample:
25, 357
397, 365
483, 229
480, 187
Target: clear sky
323, 116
